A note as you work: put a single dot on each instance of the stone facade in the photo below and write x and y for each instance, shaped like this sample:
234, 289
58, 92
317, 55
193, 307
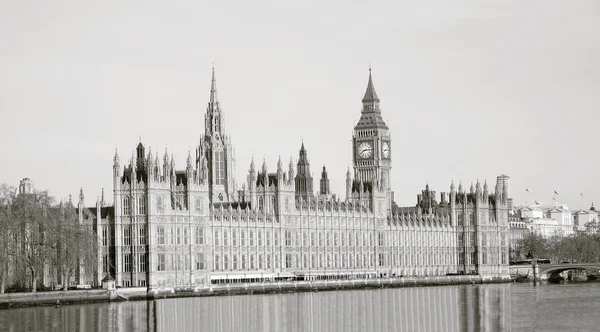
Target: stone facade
171, 228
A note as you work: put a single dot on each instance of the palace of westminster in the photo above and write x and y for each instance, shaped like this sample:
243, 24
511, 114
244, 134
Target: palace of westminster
173, 228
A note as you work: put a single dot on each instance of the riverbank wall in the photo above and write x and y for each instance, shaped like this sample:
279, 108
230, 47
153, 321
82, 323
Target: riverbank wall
15, 300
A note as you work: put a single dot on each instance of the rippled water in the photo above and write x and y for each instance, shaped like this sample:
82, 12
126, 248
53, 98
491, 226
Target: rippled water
500, 307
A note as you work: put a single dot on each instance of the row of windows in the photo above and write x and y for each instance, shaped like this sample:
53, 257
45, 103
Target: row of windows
316, 261
141, 206
128, 263
179, 262
179, 235
130, 230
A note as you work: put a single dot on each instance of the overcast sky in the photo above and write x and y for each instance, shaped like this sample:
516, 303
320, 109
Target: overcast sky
469, 89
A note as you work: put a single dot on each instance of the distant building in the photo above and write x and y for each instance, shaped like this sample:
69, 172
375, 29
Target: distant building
519, 229
582, 217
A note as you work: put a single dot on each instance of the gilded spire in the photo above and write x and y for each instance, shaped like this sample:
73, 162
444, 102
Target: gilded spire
370, 94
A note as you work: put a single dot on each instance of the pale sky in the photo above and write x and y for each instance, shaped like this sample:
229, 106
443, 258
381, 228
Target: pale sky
469, 89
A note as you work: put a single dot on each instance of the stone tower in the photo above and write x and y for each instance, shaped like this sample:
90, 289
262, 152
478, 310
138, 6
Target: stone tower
26, 186
215, 146
303, 179
371, 142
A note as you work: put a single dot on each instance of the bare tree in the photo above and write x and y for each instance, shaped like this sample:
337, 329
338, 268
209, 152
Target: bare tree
31, 213
7, 195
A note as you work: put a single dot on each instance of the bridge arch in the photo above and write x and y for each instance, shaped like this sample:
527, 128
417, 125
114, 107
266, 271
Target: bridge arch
548, 270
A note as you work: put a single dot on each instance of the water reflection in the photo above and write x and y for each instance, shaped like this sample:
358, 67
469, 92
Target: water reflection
460, 308
448, 308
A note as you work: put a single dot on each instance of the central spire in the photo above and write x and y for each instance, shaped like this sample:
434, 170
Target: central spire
213, 87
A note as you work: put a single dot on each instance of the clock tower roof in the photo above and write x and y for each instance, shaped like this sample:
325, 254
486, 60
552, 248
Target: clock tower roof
370, 117
370, 94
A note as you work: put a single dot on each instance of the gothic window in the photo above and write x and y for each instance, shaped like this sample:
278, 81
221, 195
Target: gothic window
126, 206
219, 168
160, 231
142, 205
199, 235
235, 262
142, 231
243, 261
217, 267
200, 261
234, 239
226, 262
161, 262
127, 263
160, 204
127, 235
178, 235
104, 236
243, 239
216, 242
288, 261
185, 236
142, 263
252, 262
198, 204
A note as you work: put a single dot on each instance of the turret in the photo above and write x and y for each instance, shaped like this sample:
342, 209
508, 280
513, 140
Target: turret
280, 174
324, 183
264, 173
166, 172
485, 191
189, 169
157, 167
81, 197
291, 171
116, 166
140, 158
348, 184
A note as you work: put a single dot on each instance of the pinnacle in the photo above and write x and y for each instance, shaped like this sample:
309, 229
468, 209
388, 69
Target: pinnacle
370, 94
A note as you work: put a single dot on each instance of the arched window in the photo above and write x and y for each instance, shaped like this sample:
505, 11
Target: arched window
126, 206
160, 205
142, 205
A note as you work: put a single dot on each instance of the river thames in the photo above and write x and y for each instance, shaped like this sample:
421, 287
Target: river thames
494, 307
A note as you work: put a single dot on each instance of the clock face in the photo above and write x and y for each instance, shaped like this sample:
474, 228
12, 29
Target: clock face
385, 150
365, 150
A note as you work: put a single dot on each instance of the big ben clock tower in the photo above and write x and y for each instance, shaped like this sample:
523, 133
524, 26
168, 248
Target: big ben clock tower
371, 142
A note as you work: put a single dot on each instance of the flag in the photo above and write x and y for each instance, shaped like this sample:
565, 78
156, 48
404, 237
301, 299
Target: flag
527, 189
581, 195
555, 193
